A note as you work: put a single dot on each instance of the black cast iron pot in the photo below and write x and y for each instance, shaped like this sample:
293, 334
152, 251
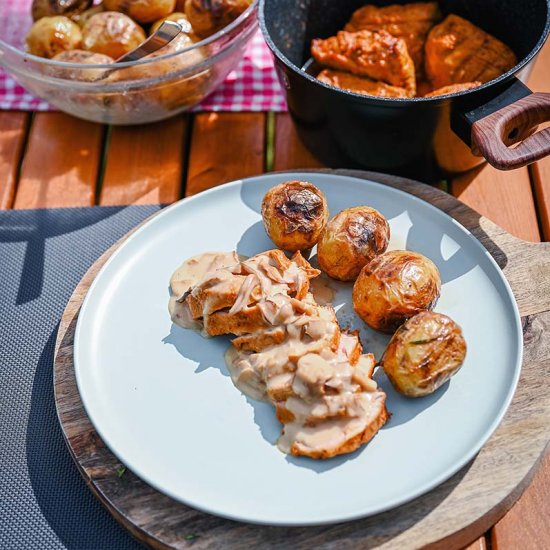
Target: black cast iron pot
425, 138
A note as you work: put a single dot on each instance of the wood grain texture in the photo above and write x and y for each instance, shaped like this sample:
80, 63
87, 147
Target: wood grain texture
503, 197
13, 132
493, 134
451, 516
225, 147
144, 164
290, 153
61, 164
526, 525
540, 171
479, 544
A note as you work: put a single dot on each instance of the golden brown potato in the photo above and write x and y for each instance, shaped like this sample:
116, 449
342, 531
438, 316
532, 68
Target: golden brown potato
143, 11
395, 286
457, 51
375, 54
50, 8
52, 35
424, 353
84, 57
179, 18
209, 16
180, 90
295, 214
351, 240
111, 33
360, 84
81, 18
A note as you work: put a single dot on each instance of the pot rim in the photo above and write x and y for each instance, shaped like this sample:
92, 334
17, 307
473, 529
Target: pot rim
399, 100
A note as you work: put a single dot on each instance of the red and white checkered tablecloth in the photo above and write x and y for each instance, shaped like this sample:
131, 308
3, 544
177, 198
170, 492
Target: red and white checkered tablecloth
253, 86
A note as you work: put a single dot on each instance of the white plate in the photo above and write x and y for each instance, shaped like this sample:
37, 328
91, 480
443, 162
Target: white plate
161, 399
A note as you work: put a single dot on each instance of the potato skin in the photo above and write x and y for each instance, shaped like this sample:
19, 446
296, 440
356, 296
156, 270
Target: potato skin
111, 33
50, 8
351, 240
143, 11
50, 36
84, 57
179, 18
395, 286
424, 353
208, 17
295, 213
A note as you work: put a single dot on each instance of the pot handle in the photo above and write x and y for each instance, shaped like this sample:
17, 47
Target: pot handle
492, 136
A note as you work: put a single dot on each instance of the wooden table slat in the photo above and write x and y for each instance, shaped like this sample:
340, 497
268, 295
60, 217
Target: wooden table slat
526, 526
540, 171
144, 164
289, 152
61, 163
479, 544
13, 133
503, 197
225, 147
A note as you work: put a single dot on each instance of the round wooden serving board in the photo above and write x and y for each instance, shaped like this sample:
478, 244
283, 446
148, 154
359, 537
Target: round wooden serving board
450, 516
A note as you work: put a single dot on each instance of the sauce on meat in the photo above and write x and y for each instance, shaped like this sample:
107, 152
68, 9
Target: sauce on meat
297, 359
188, 275
322, 291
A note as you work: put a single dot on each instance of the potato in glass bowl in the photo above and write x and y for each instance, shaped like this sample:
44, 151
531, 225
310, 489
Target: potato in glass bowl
162, 85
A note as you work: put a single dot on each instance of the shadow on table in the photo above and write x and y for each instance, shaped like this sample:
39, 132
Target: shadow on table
69, 507
37, 228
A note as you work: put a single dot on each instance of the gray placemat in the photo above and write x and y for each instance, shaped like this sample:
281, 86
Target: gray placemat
44, 502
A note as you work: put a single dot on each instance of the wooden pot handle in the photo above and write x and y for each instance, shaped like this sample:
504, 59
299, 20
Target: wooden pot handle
492, 135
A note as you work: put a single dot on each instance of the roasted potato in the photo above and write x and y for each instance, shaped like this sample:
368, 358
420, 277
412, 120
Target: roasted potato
351, 240
209, 16
295, 214
51, 8
111, 33
81, 18
80, 56
143, 11
394, 287
179, 18
52, 35
424, 353
178, 90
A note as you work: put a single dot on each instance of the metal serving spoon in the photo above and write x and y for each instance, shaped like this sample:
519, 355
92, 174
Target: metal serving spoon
160, 38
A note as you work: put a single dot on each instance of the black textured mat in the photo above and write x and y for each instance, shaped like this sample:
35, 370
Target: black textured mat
44, 502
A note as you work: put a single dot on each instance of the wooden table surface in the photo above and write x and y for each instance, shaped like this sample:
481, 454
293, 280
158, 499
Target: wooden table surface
50, 160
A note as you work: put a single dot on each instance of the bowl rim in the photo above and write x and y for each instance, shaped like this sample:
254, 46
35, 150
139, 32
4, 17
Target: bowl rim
398, 100
25, 56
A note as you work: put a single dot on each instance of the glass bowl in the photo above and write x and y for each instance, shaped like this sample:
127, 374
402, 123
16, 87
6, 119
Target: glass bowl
137, 92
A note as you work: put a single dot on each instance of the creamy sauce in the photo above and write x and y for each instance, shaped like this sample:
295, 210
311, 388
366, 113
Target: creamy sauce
293, 355
187, 276
322, 291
